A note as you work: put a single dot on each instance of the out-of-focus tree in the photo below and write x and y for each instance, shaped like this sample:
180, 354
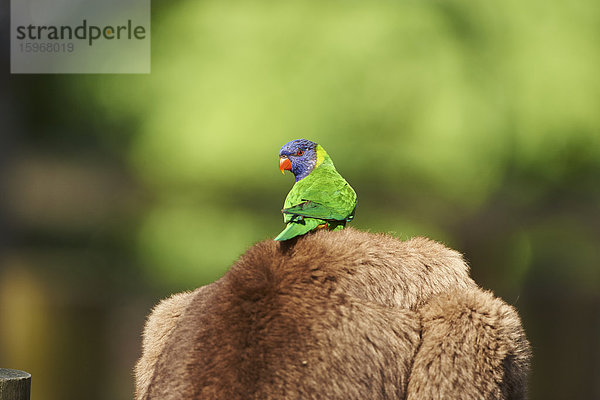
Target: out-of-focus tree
428, 109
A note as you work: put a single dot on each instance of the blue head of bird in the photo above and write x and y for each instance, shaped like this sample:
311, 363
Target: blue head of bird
298, 156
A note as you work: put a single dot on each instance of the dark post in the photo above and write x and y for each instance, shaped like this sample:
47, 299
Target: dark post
14, 384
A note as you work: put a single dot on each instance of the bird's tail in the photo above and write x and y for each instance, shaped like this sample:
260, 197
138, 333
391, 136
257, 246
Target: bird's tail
298, 228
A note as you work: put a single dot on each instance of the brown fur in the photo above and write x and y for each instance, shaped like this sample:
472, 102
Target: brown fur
159, 326
336, 315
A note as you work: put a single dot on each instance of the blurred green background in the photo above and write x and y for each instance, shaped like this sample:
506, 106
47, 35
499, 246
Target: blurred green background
474, 123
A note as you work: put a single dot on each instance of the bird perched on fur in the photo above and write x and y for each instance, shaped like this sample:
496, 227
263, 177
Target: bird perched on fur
320, 198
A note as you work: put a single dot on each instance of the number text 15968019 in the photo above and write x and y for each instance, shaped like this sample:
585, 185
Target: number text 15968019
46, 47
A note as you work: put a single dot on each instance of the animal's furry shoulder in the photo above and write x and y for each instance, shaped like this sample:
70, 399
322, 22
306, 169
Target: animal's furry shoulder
375, 267
474, 341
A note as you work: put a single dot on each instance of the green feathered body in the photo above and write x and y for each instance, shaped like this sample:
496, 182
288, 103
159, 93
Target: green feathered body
323, 197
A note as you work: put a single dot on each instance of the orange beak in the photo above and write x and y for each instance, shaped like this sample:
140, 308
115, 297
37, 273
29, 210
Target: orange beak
285, 164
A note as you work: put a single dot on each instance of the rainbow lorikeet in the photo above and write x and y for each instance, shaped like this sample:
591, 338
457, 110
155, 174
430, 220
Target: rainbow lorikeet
320, 198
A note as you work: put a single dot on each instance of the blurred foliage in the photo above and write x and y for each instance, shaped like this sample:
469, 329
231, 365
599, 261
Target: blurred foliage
473, 123
417, 102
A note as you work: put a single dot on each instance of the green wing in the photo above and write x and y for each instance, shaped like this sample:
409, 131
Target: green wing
321, 197
323, 194
315, 210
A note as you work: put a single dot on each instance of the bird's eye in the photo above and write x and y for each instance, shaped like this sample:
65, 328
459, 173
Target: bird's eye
300, 152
